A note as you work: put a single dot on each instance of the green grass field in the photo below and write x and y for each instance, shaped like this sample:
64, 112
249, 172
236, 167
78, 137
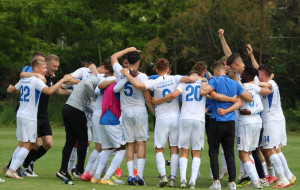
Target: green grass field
47, 166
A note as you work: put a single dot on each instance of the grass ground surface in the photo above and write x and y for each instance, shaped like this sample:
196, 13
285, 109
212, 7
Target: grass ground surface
47, 166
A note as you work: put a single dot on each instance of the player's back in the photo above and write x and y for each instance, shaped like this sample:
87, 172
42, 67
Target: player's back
272, 104
193, 104
30, 90
253, 89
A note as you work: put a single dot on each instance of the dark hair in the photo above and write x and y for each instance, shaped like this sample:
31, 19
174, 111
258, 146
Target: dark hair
86, 63
193, 71
162, 64
133, 57
232, 58
218, 65
231, 74
37, 53
107, 64
266, 68
248, 74
200, 67
125, 56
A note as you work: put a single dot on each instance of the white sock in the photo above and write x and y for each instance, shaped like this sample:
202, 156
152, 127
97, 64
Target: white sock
195, 168
251, 171
277, 165
15, 154
183, 167
174, 165
91, 161
223, 161
95, 165
160, 162
130, 168
140, 167
265, 168
102, 163
241, 166
116, 161
271, 172
72, 160
20, 157
135, 161
287, 171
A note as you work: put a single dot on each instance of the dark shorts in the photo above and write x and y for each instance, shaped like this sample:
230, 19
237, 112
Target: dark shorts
43, 127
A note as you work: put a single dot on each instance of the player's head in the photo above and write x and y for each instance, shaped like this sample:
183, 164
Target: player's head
219, 68
106, 67
125, 62
264, 73
52, 63
248, 74
134, 58
39, 66
162, 66
224, 60
235, 62
194, 72
86, 63
200, 67
232, 74
38, 55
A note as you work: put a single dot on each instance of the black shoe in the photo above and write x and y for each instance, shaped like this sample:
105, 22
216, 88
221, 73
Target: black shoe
75, 173
64, 176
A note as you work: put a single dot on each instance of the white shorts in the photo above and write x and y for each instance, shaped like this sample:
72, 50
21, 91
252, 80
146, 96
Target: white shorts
247, 138
26, 130
166, 129
96, 128
191, 133
112, 136
135, 125
274, 134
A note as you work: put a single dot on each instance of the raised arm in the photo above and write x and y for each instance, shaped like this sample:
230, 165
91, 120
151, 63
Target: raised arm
225, 46
52, 89
232, 108
132, 80
250, 53
114, 58
168, 97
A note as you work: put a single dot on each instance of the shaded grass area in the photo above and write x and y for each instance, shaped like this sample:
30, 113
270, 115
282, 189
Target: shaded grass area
48, 165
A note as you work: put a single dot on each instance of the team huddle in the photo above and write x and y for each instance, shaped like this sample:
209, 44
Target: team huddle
109, 103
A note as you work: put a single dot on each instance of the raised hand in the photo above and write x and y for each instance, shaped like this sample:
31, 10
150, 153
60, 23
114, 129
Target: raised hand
249, 49
221, 33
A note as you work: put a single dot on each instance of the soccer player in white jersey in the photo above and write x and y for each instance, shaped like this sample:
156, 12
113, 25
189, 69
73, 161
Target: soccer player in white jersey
191, 125
134, 114
30, 89
274, 134
167, 116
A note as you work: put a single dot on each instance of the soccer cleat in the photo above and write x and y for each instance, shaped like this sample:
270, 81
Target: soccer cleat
94, 180
84, 178
223, 174
267, 176
272, 179
231, 186
293, 180
75, 173
254, 186
12, 174
5, 169
64, 176
21, 172
89, 176
140, 181
107, 182
117, 181
192, 185
172, 183
118, 172
163, 181
29, 173
183, 184
131, 180
264, 182
282, 184
244, 182
134, 172
241, 174
216, 185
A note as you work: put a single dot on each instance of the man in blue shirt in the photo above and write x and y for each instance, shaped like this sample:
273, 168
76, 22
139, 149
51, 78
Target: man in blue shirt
221, 128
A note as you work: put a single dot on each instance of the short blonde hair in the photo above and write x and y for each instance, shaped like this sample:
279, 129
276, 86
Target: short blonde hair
36, 62
52, 57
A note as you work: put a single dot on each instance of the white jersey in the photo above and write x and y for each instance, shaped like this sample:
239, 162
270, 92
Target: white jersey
131, 97
162, 86
193, 104
272, 104
254, 90
98, 103
30, 91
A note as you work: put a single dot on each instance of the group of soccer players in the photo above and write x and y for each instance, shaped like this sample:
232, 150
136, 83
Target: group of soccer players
238, 102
